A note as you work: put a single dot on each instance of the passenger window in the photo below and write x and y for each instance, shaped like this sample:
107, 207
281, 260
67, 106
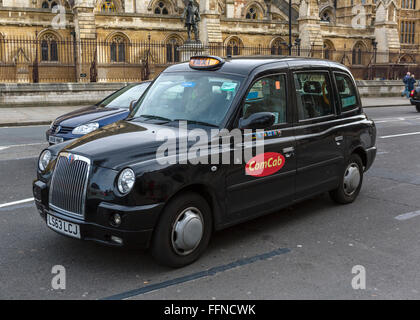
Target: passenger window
346, 92
267, 95
313, 91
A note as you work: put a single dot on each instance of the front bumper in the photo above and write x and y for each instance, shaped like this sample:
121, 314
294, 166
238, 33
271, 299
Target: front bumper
64, 136
415, 101
135, 230
370, 157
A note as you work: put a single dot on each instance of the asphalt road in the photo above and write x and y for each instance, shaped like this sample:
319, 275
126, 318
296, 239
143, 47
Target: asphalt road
304, 252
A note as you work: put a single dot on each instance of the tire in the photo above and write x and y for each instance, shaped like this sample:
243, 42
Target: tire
418, 107
350, 182
183, 213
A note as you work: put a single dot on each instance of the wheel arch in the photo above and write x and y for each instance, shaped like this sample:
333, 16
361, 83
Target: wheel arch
207, 193
361, 153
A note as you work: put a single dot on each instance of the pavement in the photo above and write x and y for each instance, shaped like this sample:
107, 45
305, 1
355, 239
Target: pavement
21, 116
312, 250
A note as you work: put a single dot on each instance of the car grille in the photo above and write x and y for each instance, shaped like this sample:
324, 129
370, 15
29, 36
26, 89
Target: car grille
69, 183
62, 129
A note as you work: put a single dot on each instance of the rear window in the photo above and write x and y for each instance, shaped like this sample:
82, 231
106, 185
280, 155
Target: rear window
346, 92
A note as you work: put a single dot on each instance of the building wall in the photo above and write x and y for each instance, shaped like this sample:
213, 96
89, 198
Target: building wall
321, 25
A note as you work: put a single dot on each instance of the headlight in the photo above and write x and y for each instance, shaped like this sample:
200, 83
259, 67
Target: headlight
126, 180
44, 160
86, 128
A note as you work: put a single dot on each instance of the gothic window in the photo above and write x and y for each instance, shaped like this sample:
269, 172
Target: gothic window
358, 54
279, 48
49, 48
407, 31
48, 4
408, 4
326, 16
233, 47
161, 8
172, 52
108, 6
252, 13
328, 49
118, 50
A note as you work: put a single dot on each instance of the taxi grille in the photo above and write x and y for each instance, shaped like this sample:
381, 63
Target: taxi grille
68, 184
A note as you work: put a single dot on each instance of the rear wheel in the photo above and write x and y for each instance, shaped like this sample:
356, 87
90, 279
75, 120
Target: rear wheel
350, 181
418, 107
183, 231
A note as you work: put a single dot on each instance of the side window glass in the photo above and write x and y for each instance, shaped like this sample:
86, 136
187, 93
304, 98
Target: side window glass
267, 95
346, 92
313, 91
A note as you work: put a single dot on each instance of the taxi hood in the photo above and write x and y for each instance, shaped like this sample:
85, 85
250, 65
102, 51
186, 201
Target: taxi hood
120, 144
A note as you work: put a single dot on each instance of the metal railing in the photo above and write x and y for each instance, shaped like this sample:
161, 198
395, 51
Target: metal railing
67, 60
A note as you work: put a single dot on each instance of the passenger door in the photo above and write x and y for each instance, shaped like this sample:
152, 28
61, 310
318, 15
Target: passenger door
249, 195
319, 145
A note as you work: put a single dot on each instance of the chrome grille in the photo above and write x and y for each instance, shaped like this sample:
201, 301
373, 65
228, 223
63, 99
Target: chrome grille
69, 183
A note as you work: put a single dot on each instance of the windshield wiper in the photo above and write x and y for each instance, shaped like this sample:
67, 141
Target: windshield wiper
152, 117
197, 122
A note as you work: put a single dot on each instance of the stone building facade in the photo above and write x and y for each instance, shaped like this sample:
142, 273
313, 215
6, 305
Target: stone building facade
85, 37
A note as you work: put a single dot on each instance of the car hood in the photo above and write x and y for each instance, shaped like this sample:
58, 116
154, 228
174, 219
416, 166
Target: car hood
87, 114
119, 144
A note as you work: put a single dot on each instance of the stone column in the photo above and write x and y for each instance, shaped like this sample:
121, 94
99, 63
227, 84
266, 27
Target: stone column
209, 26
309, 28
386, 31
85, 29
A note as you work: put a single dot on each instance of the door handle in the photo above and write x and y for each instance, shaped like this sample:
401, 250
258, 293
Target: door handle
288, 151
338, 140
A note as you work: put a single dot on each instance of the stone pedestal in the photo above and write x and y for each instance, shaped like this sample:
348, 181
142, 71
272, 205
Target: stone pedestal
191, 48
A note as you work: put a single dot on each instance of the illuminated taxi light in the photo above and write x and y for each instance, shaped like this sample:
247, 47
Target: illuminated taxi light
205, 62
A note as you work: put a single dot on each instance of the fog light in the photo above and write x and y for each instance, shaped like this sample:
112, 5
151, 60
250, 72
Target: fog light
117, 239
116, 219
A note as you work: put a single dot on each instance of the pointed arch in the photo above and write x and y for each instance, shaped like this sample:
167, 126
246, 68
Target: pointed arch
118, 44
359, 53
278, 46
172, 43
254, 10
109, 6
171, 6
233, 45
328, 49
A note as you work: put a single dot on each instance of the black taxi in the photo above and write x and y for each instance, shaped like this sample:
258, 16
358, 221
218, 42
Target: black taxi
111, 185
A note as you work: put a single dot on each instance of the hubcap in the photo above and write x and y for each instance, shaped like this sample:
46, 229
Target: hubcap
187, 231
351, 179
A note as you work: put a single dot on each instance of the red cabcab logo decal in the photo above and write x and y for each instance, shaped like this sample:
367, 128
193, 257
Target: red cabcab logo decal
264, 164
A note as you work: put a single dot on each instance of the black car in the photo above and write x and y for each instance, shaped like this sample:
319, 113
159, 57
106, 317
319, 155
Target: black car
415, 97
138, 181
114, 107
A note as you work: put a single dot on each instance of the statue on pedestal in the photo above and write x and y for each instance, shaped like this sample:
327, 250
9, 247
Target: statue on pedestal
191, 16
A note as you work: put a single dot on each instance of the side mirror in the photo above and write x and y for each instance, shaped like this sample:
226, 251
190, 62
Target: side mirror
259, 120
132, 104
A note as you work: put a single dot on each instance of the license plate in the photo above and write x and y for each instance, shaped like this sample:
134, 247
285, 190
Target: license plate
68, 228
55, 140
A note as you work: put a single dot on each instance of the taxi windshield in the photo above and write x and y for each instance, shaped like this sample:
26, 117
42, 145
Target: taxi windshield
200, 97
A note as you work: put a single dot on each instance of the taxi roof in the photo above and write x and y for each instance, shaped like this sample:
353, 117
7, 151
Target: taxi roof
244, 65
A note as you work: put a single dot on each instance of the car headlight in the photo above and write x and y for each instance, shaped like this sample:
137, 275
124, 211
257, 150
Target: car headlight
44, 159
86, 128
126, 180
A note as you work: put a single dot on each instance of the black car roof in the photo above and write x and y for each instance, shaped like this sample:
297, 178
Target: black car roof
244, 65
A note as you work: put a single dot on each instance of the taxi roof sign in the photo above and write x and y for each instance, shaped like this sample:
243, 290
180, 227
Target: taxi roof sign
206, 62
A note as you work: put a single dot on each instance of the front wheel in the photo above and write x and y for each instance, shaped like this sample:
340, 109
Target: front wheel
183, 231
350, 181
418, 107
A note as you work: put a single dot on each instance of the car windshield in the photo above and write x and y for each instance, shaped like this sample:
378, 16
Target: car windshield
123, 97
197, 97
